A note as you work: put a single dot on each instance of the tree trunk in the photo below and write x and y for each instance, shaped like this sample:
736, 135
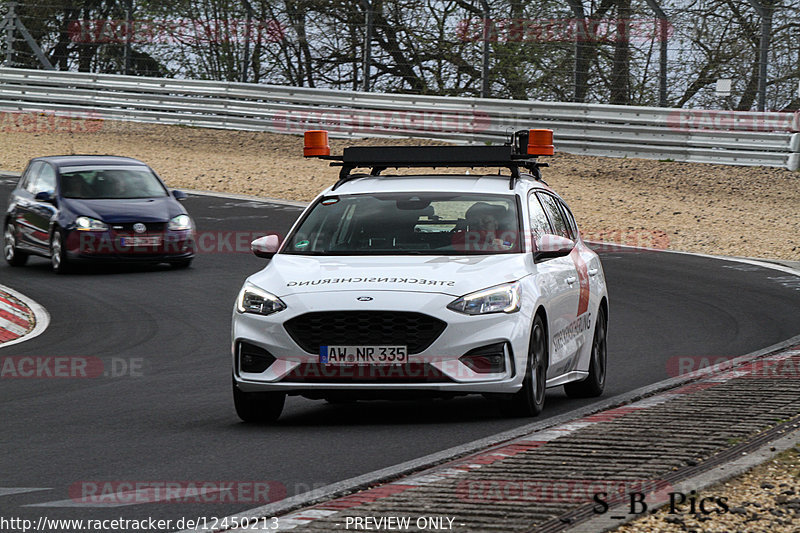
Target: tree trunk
620, 75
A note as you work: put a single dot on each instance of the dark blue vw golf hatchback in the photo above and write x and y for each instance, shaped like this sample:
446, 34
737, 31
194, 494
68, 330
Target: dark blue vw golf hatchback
97, 208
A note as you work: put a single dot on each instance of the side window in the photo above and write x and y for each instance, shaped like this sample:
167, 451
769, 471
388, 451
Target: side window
573, 227
46, 182
30, 176
539, 223
560, 226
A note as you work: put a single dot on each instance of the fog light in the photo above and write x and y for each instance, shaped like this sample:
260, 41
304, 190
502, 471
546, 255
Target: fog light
490, 359
253, 359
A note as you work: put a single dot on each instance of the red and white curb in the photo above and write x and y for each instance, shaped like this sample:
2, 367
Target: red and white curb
21, 318
524, 443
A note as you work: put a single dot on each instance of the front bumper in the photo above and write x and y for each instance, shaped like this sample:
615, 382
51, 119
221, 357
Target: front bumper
436, 368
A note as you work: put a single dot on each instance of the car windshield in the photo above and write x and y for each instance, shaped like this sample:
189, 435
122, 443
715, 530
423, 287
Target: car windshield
408, 224
110, 182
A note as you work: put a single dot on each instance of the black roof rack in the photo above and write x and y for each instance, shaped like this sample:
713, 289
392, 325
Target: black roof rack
513, 155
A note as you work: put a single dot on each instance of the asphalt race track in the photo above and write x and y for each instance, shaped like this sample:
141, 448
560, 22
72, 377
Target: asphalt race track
171, 418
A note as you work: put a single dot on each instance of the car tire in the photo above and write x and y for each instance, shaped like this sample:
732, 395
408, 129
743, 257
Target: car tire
529, 401
13, 256
258, 407
58, 252
595, 382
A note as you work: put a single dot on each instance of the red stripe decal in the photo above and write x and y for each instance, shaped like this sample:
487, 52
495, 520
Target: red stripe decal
583, 279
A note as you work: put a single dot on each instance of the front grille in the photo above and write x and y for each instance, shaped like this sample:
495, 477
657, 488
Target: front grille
364, 328
406, 373
127, 227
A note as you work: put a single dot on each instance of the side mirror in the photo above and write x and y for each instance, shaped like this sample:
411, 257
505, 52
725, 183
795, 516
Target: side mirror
44, 196
549, 246
265, 247
179, 195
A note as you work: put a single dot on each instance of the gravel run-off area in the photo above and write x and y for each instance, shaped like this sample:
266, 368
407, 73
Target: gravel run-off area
713, 209
763, 500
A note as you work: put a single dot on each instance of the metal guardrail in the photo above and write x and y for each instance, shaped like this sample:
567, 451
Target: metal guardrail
727, 137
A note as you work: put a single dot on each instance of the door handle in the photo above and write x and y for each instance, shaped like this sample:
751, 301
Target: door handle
571, 280
593, 271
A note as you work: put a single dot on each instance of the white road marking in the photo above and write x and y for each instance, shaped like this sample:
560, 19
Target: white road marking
122, 499
8, 491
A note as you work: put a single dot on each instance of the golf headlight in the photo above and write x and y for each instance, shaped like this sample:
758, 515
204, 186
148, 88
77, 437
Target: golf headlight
180, 222
499, 299
254, 300
89, 224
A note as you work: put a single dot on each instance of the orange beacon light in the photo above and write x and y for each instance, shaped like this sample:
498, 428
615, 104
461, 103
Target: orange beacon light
540, 142
316, 143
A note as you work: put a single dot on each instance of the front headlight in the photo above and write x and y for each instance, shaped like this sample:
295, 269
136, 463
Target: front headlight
499, 299
180, 222
257, 301
89, 224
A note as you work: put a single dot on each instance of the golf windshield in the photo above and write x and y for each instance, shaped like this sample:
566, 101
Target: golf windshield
409, 224
110, 182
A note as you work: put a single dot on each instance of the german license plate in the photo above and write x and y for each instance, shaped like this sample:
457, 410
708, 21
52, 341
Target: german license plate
140, 241
363, 355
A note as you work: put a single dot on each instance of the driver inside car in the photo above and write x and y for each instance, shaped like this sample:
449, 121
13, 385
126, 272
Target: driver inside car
485, 229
